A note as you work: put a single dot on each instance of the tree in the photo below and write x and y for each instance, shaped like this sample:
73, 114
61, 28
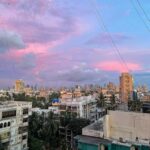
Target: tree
100, 100
48, 131
19, 97
134, 106
1, 145
77, 124
35, 144
43, 129
113, 102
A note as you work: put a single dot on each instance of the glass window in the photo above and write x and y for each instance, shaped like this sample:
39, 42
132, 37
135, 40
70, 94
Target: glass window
7, 114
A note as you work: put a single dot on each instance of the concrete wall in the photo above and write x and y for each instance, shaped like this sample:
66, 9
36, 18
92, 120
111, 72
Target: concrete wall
127, 125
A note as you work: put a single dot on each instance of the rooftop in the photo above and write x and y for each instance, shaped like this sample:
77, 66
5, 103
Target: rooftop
7, 104
75, 101
92, 140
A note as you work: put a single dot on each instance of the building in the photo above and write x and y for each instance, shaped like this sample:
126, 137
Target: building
14, 124
19, 86
84, 107
126, 87
114, 133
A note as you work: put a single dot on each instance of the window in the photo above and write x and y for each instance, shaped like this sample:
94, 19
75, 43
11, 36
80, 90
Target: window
5, 124
23, 129
24, 146
25, 111
8, 123
7, 114
25, 120
1, 125
24, 137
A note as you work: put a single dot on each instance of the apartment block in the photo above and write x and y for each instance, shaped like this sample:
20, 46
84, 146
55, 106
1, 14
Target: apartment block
14, 124
19, 86
126, 87
83, 107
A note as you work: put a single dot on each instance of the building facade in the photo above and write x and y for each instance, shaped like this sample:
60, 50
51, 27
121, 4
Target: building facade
114, 133
14, 124
19, 86
82, 107
126, 87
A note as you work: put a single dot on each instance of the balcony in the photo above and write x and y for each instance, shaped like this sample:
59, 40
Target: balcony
5, 136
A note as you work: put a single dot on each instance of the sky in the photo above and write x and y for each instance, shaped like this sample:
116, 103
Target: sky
70, 42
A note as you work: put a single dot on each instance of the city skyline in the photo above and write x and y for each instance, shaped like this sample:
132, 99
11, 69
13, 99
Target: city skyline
63, 42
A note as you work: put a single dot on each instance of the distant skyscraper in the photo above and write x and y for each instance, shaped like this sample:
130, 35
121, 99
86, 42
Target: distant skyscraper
19, 86
126, 86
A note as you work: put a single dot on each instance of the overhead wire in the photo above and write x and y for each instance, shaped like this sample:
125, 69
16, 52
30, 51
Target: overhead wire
139, 15
112, 41
144, 12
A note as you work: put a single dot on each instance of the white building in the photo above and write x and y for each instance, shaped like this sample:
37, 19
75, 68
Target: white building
14, 124
83, 107
129, 127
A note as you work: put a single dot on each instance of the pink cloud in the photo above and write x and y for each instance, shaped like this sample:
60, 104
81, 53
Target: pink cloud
118, 66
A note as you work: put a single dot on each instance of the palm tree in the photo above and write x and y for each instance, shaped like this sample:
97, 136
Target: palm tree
48, 131
101, 101
113, 102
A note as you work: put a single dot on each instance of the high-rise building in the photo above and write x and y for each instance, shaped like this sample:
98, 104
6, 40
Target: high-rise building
19, 86
14, 124
126, 86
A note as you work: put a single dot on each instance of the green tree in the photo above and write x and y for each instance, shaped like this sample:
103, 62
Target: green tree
35, 144
53, 96
113, 102
48, 131
19, 97
43, 128
1, 145
101, 101
77, 124
134, 106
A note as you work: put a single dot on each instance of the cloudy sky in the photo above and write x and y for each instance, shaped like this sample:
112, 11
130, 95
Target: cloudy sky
67, 42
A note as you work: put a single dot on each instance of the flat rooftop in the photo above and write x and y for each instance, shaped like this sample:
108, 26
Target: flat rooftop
92, 140
97, 126
7, 104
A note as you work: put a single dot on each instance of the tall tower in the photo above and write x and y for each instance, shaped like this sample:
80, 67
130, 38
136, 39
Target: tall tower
19, 86
126, 87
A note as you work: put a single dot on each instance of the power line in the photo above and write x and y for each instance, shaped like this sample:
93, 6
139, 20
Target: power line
138, 13
100, 19
144, 12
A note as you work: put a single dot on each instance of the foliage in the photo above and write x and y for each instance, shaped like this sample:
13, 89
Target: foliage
77, 124
19, 97
35, 144
43, 129
134, 105
113, 102
1, 145
53, 96
113, 99
101, 100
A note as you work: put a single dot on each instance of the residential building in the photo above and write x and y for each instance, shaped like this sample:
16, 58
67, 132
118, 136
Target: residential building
114, 133
126, 87
14, 124
19, 86
84, 107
